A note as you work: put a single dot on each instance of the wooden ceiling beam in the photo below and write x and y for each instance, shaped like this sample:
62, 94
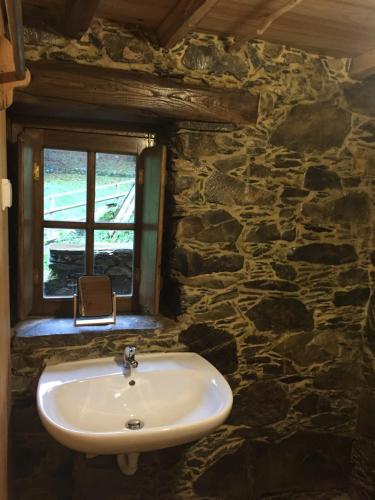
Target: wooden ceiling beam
264, 19
78, 17
362, 65
183, 18
122, 92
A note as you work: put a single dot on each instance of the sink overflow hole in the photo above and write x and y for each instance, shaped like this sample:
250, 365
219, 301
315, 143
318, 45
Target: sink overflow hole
134, 424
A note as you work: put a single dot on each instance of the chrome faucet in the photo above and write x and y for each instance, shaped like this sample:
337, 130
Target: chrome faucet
129, 358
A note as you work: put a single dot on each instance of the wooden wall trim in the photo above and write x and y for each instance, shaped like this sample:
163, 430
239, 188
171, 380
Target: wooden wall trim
4, 314
4, 325
12, 64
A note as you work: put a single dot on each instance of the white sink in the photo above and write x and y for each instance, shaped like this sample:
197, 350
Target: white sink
179, 397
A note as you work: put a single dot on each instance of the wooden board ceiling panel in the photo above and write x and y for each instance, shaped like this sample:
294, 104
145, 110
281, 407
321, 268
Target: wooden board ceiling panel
360, 12
45, 3
146, 12
336, 27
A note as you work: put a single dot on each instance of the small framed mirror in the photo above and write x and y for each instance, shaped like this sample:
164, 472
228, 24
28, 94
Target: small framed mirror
94, 303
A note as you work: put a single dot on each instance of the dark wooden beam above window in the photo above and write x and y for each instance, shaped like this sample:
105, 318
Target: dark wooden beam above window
184, 17
150, 99
78, 16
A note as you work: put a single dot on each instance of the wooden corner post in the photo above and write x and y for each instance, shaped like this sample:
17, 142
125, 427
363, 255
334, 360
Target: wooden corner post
13, 73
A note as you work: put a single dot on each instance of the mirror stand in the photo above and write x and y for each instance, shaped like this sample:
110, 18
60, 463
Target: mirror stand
94, 303
94, 320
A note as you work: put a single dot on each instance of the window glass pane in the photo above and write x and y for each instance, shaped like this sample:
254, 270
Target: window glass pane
115, 188
63, 261
113, 256
65, 185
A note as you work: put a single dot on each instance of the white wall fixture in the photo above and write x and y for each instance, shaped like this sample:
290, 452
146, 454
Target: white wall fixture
6, 194
97, 407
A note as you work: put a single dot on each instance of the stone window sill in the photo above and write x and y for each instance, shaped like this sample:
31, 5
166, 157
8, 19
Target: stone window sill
53, 327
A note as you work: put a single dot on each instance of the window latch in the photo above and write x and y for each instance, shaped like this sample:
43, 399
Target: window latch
36, 171
141, 174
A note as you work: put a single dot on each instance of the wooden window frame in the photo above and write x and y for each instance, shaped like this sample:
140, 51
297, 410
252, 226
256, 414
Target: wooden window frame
91, 143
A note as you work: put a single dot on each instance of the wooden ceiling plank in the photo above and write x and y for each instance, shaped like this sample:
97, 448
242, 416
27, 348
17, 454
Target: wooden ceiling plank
333, 27
127, 92
363, 65
183, 18
274, 16
79, 14
148, 13
264, 20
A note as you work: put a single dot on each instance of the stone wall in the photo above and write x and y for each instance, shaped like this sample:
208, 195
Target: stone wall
268, 274
66, 263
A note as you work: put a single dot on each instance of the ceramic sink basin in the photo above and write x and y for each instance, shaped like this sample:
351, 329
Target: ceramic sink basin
87, 405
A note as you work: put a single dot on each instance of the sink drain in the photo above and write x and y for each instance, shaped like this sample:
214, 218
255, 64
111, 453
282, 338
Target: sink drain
134, 424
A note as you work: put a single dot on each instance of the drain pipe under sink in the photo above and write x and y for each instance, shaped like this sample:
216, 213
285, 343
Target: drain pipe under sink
128, 463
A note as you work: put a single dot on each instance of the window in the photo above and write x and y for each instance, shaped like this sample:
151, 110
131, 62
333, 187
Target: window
88, 204
85, 233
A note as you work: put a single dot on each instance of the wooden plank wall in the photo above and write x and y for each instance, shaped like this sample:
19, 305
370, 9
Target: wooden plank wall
4, 318
4, 324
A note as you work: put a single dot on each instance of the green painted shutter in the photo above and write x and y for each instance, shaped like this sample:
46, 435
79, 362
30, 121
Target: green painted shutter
153, 163
25, 277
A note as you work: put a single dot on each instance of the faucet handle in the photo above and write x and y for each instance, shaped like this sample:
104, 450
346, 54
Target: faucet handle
130, 351
129, 355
